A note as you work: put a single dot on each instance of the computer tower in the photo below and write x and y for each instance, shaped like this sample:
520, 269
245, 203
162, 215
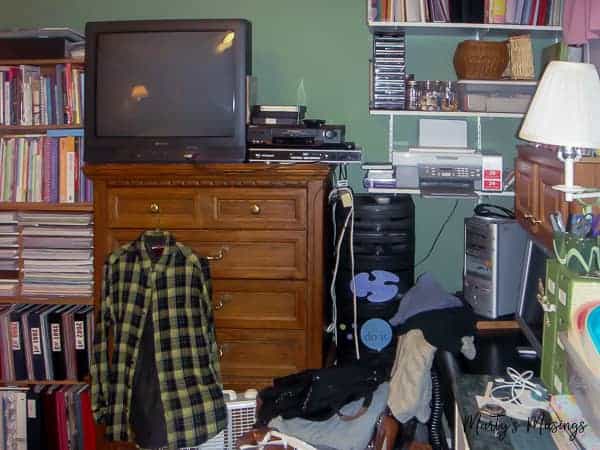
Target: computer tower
494, 253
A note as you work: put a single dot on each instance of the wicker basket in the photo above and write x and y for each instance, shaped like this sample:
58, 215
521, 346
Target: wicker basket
480, 60
520, 56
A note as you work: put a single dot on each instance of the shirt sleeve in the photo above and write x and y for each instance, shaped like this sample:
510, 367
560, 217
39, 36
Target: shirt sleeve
213, 350
100, 365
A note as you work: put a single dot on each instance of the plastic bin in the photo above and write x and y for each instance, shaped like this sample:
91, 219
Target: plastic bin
580, 255
503, 96
582, 382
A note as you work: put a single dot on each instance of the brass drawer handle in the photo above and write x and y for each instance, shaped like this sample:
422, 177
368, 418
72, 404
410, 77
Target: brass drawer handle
535, 221
222, 349
220, 254
255, 209
225, 298
154, 208
528, 216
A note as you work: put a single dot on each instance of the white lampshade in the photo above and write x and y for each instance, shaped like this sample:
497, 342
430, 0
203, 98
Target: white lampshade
565, 109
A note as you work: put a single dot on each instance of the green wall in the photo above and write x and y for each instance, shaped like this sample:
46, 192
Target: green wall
326, 44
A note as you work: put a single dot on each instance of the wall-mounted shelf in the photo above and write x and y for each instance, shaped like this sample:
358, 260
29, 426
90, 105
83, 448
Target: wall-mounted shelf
477, 194
446, 28
388, 112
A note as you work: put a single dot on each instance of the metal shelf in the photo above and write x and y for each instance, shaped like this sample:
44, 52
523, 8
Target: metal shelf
476, 194
445, 28
386, 112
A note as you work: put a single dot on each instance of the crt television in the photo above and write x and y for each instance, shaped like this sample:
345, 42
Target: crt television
166, 90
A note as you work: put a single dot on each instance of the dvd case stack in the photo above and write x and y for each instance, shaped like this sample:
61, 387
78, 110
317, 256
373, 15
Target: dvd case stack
389, 71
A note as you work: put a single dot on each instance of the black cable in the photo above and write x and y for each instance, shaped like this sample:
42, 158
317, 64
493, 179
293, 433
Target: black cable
437, 237
435, 421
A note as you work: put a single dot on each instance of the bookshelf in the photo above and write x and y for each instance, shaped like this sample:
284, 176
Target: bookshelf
69, 121
426, 32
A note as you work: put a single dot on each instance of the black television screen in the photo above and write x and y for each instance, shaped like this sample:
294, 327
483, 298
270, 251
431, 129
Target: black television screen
154, 84
166, 90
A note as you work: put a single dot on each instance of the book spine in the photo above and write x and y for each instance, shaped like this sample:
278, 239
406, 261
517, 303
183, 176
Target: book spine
498, 11
54, 169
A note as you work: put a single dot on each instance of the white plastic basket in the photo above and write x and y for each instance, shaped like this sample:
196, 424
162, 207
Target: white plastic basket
241, 415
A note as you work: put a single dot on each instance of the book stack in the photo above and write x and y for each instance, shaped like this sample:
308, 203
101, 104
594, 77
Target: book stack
388, 71
41, 342
57, 254
47, 417
9, 254
522, 12
45, 168
31, 95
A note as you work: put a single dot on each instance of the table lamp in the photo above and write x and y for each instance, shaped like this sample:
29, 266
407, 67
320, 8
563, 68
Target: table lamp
565, 111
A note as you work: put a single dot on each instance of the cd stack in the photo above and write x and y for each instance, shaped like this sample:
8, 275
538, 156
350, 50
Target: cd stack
388, 89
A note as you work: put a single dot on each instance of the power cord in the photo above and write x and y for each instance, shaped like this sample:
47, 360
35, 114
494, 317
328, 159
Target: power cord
343, 192
437, 237
519, 383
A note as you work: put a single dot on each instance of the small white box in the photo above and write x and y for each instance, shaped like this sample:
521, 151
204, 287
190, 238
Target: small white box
491, 172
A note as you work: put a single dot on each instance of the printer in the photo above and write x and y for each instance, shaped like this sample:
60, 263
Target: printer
447, 172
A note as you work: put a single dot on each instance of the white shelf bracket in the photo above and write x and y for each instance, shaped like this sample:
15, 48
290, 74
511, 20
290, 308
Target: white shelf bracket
391, 138
479, 134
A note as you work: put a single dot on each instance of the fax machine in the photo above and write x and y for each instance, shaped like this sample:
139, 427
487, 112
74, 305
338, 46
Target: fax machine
439, 173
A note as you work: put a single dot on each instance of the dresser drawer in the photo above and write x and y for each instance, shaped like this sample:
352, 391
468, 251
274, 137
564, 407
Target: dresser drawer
212, 208
260, 353
269, 255
254, 208
259, 304
154, 207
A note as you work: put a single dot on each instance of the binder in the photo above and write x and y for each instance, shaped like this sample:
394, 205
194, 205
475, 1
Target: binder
35, 421
46, 341
60, 409
36, 344
81, 335
51, 418
56, 339
89, 427
17, 343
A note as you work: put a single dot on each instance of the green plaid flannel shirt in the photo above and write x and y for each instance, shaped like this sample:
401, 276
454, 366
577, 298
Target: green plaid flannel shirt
176, 291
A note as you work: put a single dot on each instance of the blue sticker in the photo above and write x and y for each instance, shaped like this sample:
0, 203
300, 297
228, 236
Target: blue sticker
376, 334
379, 289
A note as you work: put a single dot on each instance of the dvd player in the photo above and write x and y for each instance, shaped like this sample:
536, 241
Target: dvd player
295, 134
315, 154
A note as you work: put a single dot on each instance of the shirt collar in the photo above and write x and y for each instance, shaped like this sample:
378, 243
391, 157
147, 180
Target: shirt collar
142, 246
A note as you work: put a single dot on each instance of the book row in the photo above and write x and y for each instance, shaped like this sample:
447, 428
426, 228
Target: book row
43, 169
34, 95
41, 342
521, 12
47, 417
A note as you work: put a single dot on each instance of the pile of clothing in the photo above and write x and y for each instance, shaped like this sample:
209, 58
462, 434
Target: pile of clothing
340, 407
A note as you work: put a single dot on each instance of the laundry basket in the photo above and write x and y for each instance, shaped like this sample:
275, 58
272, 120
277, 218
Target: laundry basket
241, 415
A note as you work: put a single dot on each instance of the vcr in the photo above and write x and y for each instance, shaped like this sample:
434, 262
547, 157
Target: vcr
296, 135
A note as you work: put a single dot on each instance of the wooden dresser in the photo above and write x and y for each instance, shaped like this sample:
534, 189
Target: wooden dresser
264, 224
536, 171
